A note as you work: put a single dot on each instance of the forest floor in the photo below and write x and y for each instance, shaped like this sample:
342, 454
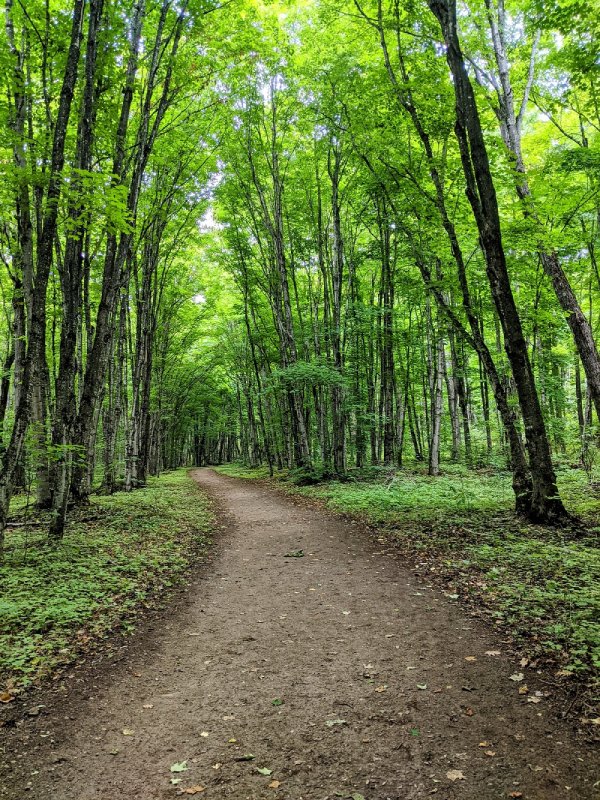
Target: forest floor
540, 585
304, 663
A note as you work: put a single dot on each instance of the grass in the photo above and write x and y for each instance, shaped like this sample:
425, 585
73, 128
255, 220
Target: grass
459, 530
122, 554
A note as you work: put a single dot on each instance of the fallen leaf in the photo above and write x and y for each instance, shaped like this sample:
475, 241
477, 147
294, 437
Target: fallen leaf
345, 613
381, 688
179, 766
523, 689
231, 741
492, 652
484, 744
6, 697
490, 752
421, 686
205, 734
470, 658
523, 662
534, 699
274, 784
516, 677
176, 781
127, 732
192, 790
246, 757
331, 722
516, 794
148, 705
469, 712
264, 770
357, 796
217, 765
455, 775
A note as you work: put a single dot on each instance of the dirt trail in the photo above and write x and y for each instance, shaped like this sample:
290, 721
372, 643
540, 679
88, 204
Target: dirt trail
343, 633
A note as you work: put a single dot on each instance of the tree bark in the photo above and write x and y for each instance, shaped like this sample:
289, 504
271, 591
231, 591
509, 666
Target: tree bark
546, 505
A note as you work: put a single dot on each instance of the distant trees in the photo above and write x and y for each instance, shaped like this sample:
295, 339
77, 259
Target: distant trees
400, 263
386, 358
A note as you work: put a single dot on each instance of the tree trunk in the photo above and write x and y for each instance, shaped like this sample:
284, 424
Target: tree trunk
546, 505
510, 128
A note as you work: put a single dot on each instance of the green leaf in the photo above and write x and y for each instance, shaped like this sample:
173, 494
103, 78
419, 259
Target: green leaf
180, 766
264, 771
277, 702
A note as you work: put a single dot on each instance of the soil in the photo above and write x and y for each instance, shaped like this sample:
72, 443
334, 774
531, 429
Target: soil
335, 668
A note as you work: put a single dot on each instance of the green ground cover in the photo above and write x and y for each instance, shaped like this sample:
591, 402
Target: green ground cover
120, 554
459, 528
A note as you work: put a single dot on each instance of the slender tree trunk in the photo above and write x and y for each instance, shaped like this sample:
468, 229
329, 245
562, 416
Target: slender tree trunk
71, 276
510, 128
337, 272
546, 505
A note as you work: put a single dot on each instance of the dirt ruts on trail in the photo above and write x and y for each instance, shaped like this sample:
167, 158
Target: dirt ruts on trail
305, 664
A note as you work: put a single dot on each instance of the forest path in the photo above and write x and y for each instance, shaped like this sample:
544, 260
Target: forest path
343, 633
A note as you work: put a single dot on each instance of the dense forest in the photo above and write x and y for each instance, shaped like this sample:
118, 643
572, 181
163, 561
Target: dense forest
318, 282
319, 236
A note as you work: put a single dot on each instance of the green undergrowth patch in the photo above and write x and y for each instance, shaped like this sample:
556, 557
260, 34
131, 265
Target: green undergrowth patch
241, 471
120, 555
459, 530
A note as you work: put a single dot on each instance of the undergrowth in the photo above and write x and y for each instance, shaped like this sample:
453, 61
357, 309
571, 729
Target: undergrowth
120, 555
459, 529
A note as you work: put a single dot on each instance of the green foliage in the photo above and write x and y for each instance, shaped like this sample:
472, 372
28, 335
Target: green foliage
241, 471
418, 496
127, 551
309, 374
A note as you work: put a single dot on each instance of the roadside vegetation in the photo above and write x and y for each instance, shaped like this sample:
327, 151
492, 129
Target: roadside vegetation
123, 554
459, 530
